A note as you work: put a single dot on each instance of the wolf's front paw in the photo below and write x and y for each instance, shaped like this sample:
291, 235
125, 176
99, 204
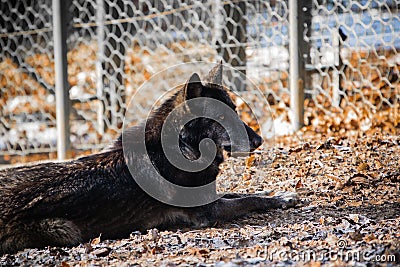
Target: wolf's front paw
285, 200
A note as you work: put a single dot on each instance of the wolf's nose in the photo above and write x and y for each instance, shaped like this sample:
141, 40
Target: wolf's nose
256, 141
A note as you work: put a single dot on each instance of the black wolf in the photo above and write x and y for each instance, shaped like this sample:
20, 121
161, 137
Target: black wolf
66, 203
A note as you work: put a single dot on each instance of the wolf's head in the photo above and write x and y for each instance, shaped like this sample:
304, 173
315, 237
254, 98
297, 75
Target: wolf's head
182, 141
205, 111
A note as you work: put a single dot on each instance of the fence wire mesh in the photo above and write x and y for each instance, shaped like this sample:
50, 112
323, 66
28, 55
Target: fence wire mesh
354, 65
26, 88
115, 46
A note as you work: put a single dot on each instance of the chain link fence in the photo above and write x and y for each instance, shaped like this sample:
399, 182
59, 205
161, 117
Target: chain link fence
351, 65
26, 84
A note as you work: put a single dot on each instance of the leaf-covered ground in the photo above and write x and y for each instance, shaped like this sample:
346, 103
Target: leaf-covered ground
349, 213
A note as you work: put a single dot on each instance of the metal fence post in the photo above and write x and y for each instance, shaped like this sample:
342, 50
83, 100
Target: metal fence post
99, 65
61, 78
217, 7
297, 64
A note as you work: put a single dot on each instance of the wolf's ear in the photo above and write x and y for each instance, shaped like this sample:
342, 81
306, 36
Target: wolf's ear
193, 87
215, 74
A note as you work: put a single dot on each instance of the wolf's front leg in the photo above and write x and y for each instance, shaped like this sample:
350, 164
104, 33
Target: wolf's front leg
226, 209
238, 195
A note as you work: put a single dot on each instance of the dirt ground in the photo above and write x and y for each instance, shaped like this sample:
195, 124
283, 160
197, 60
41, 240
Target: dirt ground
349, 213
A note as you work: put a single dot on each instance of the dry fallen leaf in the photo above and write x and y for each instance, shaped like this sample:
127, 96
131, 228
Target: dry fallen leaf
249, 161
360, 180
315, 264
198, 251
246, 176
369, 238
363, 166
356, 236
203, 251
377, 202
296, 149
102, 252
335, 178
299, 184
354, 217
156, 250
355, 203
378, 164
96, 240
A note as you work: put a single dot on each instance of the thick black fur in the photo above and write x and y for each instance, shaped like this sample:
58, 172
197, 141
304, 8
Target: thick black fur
66, 203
